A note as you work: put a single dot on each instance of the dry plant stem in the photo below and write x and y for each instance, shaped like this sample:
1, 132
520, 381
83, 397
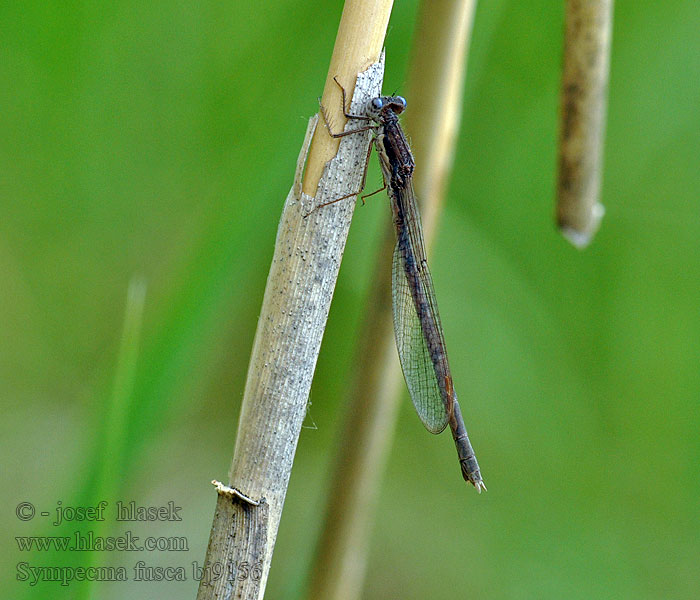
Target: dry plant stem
308, 250
368, 426
583, 110
436, 85
434, 102
358, 44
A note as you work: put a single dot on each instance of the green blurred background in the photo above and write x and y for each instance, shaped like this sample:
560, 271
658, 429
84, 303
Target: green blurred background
157, 141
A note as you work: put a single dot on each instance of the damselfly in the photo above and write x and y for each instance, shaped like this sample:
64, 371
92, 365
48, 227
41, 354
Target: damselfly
419, 336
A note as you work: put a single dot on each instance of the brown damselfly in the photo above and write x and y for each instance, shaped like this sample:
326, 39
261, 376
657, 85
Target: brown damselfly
419, 336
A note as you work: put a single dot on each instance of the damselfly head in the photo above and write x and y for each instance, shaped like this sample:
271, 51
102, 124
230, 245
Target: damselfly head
382, 104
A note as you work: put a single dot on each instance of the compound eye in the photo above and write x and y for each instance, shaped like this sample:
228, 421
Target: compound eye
402, 101
376, 104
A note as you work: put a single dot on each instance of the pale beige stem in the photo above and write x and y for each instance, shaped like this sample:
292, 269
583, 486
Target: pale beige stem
358, 44
300, 285
583, 110
434, 111
434, 102
368, 426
